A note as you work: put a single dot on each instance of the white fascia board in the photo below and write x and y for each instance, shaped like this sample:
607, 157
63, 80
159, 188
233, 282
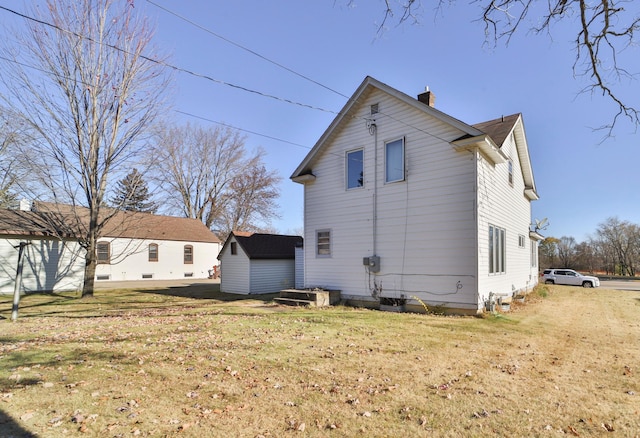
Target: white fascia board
484, 144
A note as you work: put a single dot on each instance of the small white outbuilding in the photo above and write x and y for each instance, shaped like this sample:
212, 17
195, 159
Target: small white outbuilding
256, 263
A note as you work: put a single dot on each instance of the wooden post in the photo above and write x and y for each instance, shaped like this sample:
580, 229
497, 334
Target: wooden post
18, 285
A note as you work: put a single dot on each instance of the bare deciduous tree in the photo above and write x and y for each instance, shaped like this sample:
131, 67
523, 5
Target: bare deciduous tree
621, 240
603, 29
252, 203
207, 174
82, 80
567, 251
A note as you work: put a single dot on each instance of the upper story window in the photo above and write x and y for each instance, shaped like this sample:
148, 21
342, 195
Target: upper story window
188, 254
355, 169
103, 252
521, 240
153, 252
323, 243
394, 161
234, 248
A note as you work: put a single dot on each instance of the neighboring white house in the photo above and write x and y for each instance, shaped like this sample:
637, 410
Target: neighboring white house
404, 203
50, 264
255, 263
133, 246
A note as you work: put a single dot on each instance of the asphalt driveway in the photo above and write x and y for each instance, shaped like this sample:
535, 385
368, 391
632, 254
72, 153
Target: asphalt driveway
632, 285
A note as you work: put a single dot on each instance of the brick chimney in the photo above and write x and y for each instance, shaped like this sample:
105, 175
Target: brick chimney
427, 97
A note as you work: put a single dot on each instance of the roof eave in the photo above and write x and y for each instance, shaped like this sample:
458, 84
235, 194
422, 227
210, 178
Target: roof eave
531, 194
482, 143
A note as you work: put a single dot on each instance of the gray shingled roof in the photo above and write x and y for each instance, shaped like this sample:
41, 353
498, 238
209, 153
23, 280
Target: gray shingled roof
60, 221
266, 246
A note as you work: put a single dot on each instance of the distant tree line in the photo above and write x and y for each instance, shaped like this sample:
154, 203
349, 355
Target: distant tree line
614, 249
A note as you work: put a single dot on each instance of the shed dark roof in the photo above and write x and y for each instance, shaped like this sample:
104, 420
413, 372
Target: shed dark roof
267, 246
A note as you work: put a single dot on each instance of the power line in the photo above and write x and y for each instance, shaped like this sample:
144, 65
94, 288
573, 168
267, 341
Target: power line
211, 79
174, 67
243, 130
253, 52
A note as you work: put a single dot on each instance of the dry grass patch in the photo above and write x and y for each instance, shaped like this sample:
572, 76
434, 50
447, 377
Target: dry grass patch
152, 364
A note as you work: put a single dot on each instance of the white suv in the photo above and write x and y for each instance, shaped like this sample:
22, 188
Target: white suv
570, 277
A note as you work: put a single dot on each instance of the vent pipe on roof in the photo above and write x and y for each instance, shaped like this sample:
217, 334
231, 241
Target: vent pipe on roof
427, 97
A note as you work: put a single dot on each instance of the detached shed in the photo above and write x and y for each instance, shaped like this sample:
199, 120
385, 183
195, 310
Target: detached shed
258, 263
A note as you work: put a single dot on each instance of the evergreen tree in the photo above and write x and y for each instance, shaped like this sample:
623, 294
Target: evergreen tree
132, 194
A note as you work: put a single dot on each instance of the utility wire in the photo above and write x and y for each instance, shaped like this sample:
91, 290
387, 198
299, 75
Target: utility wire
211, 79
243, 130
253, 52
165, 64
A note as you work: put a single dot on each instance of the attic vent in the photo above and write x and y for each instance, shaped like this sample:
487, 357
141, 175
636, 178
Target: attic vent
374, 109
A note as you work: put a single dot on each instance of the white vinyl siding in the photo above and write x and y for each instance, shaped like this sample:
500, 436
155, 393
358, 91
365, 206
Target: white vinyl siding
130, 260
48, 265
505, 206
426, 236
234, 269
270, 276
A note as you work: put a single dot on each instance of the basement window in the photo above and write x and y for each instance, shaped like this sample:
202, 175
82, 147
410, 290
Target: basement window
145, 276
103, 277
188, 274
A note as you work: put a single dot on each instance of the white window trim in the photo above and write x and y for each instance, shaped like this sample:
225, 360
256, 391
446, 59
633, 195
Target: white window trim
497, 250
386, 177
317, 249
346, 169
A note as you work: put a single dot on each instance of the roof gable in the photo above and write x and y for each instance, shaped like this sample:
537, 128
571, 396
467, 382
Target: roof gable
347, 113
499, 130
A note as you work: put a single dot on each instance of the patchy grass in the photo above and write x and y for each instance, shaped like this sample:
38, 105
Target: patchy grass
159, 363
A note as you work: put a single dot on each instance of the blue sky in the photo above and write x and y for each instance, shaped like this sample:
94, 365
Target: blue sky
581, 180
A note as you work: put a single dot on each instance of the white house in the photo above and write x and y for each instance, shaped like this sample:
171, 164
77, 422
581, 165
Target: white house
406, 204
256, 263
49, 264
133, 246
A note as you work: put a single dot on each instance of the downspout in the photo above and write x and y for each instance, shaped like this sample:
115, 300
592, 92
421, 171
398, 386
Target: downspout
373, 130
476, 212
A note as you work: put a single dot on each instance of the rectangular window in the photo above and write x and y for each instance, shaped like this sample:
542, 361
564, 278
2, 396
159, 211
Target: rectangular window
234, 248
497, 250
103, 252
534, 254
153, 252
323, 243
355, 169
521, 241
188, 255
147, 276
394, 161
